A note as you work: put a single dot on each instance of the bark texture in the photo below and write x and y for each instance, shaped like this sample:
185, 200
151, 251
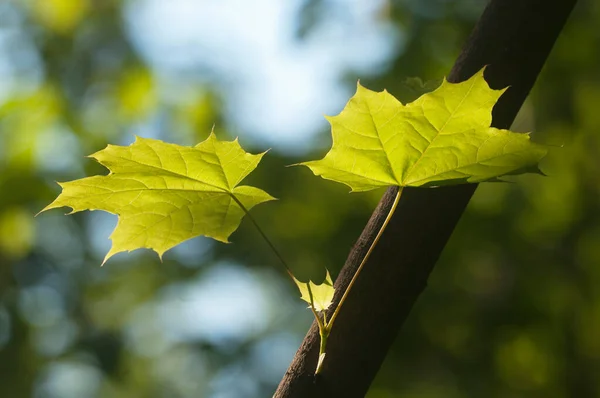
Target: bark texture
512, 37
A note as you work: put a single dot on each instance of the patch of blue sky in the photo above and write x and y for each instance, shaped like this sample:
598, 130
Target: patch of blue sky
274, 86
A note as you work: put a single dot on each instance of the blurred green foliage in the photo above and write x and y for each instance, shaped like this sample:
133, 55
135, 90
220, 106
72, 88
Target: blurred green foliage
512, 308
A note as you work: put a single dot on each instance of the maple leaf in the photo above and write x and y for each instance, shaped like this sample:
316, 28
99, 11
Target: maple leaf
165, 194
322, 294
442, 138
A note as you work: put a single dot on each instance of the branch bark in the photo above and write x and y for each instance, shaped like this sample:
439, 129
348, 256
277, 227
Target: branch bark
512, 37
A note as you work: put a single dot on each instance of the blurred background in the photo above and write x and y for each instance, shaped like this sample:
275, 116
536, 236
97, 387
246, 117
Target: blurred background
512, 308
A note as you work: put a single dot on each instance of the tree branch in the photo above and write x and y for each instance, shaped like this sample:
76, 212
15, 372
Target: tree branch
512, 37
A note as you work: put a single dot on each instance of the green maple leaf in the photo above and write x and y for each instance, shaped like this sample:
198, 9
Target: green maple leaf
165, 194
442, 138
322, 294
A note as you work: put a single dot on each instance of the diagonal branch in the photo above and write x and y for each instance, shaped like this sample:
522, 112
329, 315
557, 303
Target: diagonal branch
513, 37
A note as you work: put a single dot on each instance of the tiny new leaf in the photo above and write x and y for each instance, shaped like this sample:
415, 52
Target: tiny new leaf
165, 194
322, 294
442, 138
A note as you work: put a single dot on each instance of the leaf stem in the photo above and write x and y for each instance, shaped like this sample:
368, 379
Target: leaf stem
329, 324
260, 231
314, 311
324, 334
279, 256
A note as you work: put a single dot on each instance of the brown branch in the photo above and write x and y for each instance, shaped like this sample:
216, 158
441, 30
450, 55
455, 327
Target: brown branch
513, 37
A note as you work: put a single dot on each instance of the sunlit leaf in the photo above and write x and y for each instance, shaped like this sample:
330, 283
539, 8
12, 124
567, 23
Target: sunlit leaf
165, 193
322, 294
442, 138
